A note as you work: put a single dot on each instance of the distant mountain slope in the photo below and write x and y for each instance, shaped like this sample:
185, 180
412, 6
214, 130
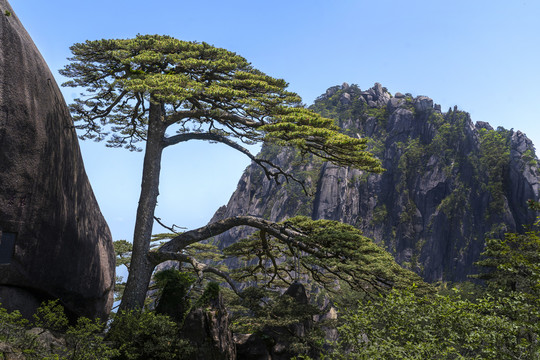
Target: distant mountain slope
447, 183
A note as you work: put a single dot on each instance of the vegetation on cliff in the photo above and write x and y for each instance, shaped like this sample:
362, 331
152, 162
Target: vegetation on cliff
448, 182
500, 320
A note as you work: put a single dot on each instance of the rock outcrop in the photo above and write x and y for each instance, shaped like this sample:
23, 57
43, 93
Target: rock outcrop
274, 342
447, 182
207, 329
54, 241
42, 342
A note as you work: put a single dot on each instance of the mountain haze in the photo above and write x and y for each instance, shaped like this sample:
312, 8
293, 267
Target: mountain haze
448, 182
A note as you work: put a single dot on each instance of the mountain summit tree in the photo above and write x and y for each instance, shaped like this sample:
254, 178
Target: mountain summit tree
138, 88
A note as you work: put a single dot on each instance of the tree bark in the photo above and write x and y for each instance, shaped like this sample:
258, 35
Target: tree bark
141, 268
187, 238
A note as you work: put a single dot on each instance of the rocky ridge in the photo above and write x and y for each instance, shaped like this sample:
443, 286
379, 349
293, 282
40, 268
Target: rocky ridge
448, 182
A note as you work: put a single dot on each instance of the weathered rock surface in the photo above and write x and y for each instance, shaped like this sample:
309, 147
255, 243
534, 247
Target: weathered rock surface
447, 182
207, 329
54, 242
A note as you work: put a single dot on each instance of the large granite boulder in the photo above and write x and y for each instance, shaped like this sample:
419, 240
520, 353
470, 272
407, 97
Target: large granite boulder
54, 241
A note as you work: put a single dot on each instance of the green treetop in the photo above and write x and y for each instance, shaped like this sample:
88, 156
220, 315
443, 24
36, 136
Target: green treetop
201, 89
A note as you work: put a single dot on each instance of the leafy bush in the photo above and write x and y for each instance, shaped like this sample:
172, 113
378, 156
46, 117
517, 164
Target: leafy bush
146, 336
50, 315
86, 341
211, 292
403, 325
14, 335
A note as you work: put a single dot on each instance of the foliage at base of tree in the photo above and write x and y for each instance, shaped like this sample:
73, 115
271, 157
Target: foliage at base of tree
140, 335
83, 341
133, 336
86, 341
14, 336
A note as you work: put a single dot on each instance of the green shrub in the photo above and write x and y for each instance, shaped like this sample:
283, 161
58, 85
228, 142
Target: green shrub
146, 335
50, 315
211, 292
404, 325
86, 341
14, 336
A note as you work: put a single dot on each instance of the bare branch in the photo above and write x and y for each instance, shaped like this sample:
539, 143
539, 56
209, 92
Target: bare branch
271, 170
170, 228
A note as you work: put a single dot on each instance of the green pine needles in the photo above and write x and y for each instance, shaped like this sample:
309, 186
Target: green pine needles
328, 252
199, 87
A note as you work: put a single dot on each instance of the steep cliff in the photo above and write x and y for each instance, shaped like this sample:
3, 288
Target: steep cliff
54, 241
448, 182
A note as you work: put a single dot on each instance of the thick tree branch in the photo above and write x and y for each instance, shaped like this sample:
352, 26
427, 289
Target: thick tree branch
209, 136
280, 231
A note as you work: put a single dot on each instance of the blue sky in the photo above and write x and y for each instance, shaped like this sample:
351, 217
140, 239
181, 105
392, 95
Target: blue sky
483, 56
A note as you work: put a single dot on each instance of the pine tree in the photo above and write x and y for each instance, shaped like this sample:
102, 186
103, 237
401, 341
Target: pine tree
138, 88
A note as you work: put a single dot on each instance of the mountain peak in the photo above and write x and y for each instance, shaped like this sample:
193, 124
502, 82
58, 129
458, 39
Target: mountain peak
448, 184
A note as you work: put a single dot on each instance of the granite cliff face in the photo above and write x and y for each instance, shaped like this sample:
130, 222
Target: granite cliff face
54, 241
447, 182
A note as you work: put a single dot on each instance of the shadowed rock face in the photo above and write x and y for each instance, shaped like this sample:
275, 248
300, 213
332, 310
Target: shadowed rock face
207, 330
54, 241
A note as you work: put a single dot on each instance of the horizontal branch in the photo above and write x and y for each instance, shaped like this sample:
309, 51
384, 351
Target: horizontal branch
180, 242
208, 136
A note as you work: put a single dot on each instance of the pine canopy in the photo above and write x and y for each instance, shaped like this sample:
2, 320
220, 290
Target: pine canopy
202, 89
